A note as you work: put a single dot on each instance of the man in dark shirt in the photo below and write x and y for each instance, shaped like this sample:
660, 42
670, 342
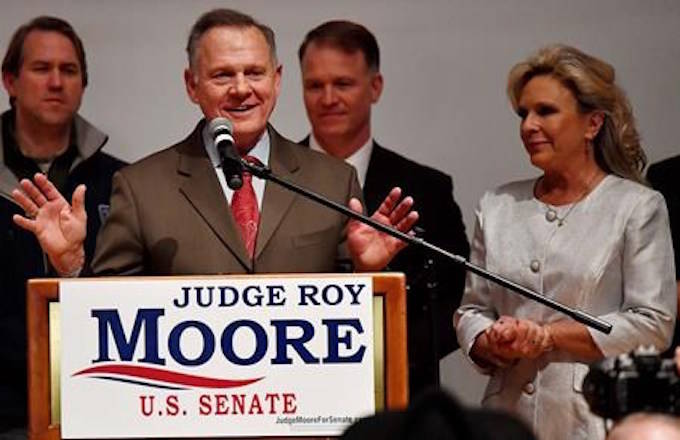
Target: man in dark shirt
45, 74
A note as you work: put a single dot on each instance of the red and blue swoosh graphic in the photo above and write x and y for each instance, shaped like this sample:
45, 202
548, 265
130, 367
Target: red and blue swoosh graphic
159, 378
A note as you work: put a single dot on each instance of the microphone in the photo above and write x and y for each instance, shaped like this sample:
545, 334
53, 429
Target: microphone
220, 131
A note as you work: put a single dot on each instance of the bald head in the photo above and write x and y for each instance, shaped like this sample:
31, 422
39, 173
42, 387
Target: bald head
646, 426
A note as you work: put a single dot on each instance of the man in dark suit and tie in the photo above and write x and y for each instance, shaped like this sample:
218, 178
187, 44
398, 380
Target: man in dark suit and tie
172, 212
340, 64
665, 178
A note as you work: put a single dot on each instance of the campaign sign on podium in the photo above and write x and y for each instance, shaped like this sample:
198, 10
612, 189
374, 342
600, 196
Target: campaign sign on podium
265, 356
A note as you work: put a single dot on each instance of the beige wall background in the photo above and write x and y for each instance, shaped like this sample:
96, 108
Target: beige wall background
444, 62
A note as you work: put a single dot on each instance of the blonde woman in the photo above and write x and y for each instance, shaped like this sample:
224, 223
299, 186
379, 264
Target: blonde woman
587, 232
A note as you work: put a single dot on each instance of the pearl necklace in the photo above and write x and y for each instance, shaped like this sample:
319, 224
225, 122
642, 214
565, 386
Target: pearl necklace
551, 213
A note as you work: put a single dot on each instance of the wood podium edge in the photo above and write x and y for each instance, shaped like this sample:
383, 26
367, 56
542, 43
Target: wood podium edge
393, 286
39, 294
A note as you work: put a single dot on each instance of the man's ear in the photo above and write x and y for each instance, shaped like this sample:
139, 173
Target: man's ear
190, 84
8, 80
595, 121
278, 74
377, 83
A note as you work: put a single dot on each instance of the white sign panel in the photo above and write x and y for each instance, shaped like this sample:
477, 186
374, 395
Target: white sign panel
215, 357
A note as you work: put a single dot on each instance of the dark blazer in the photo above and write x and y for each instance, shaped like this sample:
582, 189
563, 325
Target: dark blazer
169, 215
664, 177
442, 224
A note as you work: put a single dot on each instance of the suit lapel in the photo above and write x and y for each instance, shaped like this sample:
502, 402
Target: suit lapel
277, 200
375, 179
202, 190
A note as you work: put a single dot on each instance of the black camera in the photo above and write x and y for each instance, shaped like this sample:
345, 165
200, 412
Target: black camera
639, 381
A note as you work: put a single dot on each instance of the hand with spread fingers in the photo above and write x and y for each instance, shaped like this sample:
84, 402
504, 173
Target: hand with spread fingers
371, 249
60, 227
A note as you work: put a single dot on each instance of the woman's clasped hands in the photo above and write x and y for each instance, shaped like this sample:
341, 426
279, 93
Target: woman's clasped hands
510, 339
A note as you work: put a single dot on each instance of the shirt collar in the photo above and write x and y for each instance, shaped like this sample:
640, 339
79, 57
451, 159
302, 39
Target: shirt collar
359, 159
24, 167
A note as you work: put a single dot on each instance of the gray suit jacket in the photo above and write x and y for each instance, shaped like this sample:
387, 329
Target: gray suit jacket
612, 258
169, 217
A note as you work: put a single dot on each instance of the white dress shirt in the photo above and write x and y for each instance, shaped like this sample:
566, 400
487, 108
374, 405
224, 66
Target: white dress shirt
359, 159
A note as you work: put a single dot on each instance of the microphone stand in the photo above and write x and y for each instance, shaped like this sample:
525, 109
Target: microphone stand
426, 285
578, 315
432, 287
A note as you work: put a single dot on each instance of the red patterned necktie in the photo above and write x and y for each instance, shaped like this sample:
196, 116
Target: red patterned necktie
245, 210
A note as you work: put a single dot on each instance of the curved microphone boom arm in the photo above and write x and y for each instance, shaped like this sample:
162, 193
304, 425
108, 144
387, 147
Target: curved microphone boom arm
587, 319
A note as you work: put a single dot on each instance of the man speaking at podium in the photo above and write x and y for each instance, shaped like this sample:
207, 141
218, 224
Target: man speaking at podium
173, 213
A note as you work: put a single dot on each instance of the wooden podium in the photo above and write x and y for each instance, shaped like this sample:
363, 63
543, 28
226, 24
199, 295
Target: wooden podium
43, 348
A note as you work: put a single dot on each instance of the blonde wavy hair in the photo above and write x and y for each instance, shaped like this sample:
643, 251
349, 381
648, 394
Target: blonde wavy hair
592, 81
